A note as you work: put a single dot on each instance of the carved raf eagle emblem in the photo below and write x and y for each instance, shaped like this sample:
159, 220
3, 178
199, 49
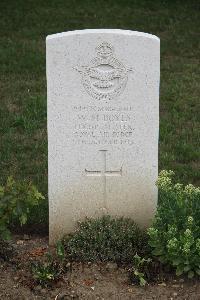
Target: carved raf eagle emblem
105, 77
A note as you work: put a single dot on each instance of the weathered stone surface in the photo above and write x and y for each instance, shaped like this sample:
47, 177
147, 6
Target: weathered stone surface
103, 122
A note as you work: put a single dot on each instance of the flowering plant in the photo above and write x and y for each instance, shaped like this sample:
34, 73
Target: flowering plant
175, 234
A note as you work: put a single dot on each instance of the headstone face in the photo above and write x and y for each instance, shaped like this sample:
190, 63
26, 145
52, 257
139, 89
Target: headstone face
103, 122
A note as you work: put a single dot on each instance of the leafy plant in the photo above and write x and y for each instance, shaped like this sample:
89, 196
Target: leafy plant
60, 251
50, 270
175, 234
46, 272
106, 239
139, 269
16, 200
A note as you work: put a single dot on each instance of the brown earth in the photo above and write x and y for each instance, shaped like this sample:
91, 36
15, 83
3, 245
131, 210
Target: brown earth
84, 281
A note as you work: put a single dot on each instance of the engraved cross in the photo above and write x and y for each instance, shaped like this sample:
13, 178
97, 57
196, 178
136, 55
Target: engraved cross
104, 173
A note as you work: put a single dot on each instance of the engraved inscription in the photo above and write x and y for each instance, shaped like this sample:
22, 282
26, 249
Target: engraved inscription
103, 125
104, 173
105, 77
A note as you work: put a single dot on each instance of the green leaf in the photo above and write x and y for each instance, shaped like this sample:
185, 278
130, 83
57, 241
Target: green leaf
162, 259
197, 271
187, 268
152, 243
176, 261
10, 181
23, 219
142, 281
1, 190
136, 273
190, 274
157, 252
179, 271
60, 250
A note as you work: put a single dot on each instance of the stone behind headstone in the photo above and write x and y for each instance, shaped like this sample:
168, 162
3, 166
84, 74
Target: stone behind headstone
103, 123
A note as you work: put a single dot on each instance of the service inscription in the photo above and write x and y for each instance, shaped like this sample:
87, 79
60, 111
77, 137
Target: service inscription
103, 125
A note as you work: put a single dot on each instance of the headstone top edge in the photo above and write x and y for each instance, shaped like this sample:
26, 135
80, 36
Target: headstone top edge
106, 31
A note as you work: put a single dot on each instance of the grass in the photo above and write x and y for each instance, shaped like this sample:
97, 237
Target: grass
23, 28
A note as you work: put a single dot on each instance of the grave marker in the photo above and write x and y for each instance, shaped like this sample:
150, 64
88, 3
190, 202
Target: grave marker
103, 121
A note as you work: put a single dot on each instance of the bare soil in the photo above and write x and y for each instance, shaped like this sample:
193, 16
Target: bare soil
84, 281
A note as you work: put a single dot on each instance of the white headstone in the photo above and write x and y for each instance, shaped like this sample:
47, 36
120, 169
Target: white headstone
103, 122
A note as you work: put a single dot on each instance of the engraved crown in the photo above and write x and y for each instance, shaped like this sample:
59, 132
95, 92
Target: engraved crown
104, 50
